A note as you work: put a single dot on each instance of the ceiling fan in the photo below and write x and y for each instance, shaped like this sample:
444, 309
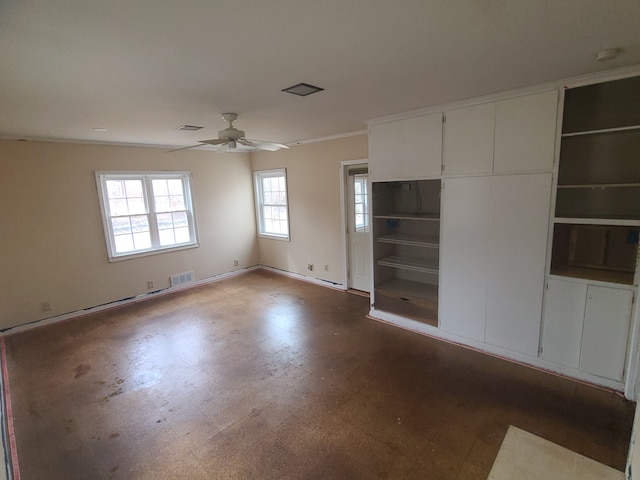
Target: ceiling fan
235, 140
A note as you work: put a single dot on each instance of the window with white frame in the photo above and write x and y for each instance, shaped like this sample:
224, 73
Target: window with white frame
361, 202
271, 203
146, 212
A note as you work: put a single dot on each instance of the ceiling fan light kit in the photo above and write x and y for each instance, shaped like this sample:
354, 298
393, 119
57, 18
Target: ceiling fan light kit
235, 139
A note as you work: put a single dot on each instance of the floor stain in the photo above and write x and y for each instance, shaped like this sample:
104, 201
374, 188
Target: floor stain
114, 435
81, 370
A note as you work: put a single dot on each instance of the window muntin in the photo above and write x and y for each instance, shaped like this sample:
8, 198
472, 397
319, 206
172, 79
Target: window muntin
361, 202
146, 212
271, 203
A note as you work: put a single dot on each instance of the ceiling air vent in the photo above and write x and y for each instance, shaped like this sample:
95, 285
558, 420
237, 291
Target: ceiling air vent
190, 128
302, 89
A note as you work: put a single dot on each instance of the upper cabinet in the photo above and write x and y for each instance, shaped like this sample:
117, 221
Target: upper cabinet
407, 149
468, 140
509, 136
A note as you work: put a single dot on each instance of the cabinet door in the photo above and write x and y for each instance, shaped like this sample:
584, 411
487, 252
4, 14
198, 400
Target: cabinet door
464, 255
406, 149
526, 133
520, 206
563, 320
606, 330
468, 140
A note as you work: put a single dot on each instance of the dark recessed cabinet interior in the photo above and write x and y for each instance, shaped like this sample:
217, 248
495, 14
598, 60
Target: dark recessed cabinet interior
597, 213
406, 234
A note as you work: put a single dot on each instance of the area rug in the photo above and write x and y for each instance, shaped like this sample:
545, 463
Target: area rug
524, 456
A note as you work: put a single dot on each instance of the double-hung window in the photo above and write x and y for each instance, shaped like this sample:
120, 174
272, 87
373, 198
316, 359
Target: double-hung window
146, 212
271, 203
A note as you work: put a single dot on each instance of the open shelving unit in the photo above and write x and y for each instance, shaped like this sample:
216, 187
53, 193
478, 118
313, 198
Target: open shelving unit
406, 232
597, 215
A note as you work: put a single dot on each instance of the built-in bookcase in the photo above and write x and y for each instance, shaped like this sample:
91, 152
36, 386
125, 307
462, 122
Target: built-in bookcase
406, 233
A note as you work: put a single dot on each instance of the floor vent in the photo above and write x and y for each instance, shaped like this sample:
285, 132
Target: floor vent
181, 278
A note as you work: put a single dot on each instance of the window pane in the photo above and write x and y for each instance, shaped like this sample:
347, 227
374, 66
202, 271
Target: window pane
164, 221
180, 219
162, 204
166, 237
175, 187
160, 187
142, 241
133, 188
140, 223
120, 225
115, 188
136, 205
177, 203
118, 207
123, 243
182, 235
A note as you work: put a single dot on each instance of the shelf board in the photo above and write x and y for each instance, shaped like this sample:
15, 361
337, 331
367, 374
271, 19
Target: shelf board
414, 240
414, 264
625, 222
410, 216
609, 276
409, 289
603, 130
602, 185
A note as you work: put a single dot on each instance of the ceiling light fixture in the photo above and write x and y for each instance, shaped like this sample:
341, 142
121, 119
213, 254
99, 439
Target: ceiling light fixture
302, 89
608, 54
190, 128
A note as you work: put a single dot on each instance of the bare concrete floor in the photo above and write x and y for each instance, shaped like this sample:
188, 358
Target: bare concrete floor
261, 376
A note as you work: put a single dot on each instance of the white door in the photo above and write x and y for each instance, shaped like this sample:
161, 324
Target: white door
606, 329
359, 230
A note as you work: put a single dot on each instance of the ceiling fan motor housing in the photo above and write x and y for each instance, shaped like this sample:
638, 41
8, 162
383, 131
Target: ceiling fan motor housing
230, 134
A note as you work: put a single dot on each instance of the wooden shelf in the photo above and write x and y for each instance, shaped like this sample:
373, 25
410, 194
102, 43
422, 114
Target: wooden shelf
602, 185
602, 130
409, 289
414, 240
410, 216
598, 221
608, 276
415, 264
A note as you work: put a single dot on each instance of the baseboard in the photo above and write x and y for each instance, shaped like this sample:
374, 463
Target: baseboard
305, 278
126, 301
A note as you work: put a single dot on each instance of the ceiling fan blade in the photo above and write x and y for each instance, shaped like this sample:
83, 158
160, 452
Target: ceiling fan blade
214, 141
184, 148
262, 145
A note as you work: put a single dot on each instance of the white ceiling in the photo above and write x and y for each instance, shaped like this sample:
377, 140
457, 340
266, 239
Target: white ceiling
141, 68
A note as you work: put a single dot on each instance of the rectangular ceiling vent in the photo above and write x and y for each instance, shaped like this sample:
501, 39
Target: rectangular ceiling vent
190, 128
302, 89
181, 278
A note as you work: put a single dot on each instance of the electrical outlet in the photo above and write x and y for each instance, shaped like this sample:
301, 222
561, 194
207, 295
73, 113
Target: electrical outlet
310, 267
46, 306
235, 262
326, 267
150, 284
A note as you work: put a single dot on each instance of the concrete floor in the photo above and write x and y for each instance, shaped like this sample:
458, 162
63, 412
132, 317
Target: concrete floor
262, 376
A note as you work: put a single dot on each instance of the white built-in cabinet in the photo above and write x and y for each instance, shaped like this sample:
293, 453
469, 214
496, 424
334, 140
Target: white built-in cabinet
587, 326
512, 135
406, 149
492, 258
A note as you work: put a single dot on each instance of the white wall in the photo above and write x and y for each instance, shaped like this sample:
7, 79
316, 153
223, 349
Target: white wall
52, 242
313, 178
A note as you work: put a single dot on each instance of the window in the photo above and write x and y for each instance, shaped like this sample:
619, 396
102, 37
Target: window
361, 202
271, 203
146, 212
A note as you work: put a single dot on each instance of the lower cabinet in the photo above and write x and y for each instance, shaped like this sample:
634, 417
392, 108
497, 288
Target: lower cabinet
493, 250
586, 327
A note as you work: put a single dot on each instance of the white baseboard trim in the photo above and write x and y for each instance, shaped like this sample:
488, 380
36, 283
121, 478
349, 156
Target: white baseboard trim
498, 352
305, 278
126, 301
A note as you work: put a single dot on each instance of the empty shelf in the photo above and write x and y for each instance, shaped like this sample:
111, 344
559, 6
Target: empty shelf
415, 264
406, 239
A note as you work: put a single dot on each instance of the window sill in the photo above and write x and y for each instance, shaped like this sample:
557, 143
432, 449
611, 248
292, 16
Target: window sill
284, 238
152, 252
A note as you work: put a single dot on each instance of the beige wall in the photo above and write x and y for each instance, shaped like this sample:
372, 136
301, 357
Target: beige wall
313, 177
52, 242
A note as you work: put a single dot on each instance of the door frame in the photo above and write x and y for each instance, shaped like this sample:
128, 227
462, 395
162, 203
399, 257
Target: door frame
344, 168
